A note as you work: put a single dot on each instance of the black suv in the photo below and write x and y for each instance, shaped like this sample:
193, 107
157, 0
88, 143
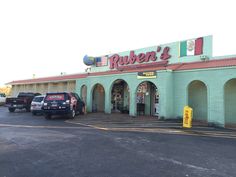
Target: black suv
62, 103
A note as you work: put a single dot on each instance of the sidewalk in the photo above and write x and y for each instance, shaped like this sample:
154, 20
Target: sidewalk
124, 122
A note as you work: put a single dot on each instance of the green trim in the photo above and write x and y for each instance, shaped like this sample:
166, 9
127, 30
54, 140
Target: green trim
183, 48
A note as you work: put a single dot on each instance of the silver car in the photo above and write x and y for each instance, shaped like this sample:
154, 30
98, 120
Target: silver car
36, 104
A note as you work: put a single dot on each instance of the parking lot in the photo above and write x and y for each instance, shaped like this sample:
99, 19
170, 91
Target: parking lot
99, 145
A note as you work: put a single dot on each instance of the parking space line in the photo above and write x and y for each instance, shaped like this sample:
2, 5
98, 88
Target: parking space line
87, 125
163, 131
38, 126
134, 129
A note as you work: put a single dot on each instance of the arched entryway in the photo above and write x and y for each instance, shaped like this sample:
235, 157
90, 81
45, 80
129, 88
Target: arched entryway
230, 101
147, 99
84, 93
98, 99
197, 99
120, 97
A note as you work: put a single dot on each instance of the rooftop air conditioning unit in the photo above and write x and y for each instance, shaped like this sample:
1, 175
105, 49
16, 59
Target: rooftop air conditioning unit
204, 57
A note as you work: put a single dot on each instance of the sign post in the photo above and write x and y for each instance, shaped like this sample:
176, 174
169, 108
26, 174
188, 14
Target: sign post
187, 117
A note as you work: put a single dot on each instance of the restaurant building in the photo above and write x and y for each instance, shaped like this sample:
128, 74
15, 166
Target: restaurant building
156, 81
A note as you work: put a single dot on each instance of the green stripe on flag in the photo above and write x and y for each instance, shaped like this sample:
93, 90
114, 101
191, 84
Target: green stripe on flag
183, 48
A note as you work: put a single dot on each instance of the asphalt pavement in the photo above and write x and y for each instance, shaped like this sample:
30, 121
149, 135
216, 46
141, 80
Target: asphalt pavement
94, 146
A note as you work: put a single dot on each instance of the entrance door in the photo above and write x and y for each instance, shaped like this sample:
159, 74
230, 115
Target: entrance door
84, 93
98, 103
147, 99
120, 97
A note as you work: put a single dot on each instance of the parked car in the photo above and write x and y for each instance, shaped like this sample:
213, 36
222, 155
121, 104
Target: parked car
62, 103
2, 98
37, 104
22, 101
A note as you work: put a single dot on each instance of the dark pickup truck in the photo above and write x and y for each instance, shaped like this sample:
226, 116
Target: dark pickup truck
22, 101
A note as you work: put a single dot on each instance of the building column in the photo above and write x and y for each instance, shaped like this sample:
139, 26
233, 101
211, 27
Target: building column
45, 88
216, 104
107, 101
165, 89
133, 105
35, 88
89, 98
49, 87
13, 90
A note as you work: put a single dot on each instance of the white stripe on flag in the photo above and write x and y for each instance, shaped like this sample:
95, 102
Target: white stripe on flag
190, 47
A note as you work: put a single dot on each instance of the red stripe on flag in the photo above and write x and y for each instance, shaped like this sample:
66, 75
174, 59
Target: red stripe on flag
198, 46
104, 61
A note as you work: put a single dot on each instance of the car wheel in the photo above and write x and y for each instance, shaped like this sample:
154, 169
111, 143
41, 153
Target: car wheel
47, 116
11, 109
34, 113
72, 114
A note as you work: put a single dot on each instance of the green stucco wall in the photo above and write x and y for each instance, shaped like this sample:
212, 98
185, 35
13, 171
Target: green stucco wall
173, 91
174, 52
230, 102
197, 100
202, 89
163, 83
214, 79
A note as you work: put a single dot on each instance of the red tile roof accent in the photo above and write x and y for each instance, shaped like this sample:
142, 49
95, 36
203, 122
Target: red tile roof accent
217, 63
49, 79
204, 64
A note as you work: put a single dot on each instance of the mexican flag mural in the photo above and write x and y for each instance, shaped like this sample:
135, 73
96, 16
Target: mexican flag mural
191, 47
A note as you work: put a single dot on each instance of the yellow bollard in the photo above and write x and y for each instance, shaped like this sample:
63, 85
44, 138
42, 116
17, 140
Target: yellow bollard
187, 117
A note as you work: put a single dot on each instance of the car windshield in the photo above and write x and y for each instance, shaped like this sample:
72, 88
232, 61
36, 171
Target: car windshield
55, 97
38, 99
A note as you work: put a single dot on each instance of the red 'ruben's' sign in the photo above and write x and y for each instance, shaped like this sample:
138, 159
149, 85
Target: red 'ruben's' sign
117, 60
